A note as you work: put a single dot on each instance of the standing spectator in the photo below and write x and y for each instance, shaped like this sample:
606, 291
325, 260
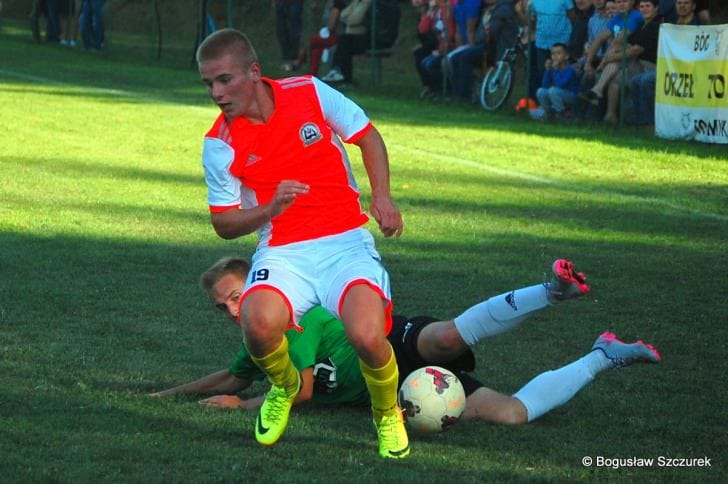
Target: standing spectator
584, 10
69, 22
91, 23
49, 10
668, 11
355, 40
553, 26
288, 29
559, 86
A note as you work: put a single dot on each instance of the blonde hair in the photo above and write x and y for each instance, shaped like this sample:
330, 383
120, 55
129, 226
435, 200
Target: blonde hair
227, 41
226, 265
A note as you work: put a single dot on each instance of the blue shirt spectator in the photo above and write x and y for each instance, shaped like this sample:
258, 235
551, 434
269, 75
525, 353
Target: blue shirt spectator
552, 22
467, 15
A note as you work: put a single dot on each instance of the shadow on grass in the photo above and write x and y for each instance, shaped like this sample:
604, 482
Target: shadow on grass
90, 325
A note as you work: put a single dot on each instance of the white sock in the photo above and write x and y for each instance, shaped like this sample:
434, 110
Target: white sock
500, 313
554, 388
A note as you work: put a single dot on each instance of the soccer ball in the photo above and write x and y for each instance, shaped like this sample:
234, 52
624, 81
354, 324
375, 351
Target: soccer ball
432, 399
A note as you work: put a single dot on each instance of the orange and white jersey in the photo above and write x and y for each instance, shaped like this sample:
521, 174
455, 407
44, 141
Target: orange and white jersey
245, 162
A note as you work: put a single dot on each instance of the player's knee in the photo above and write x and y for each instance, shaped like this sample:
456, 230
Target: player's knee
261, 325
513, 413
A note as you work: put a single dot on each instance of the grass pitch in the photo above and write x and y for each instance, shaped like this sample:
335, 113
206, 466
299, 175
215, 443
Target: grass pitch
104, 230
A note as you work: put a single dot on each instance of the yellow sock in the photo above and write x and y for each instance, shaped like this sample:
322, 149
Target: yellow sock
382, 384
279, 368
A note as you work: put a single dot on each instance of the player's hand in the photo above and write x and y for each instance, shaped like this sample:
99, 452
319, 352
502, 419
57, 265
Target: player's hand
223, 401
286, 194
387, 215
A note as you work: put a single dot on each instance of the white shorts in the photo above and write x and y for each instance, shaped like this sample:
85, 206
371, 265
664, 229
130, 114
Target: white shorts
320, 271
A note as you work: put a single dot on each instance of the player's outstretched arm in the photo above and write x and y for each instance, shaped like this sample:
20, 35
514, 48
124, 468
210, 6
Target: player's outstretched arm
219, 382
234, 401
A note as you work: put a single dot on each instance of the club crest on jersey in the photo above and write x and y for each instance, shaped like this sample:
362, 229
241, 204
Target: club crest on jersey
310, 133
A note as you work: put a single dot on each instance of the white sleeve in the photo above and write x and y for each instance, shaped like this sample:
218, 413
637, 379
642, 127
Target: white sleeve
223, 189
344, 116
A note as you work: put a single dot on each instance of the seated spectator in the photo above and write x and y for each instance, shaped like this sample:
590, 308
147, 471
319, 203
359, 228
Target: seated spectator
430, 30
642, 86
429, 67
355, 40
464, 58
641, 53
669, 12
583, 12
559, 86
604, 10
507, 19
553, 26
358, 35
616, 28
323, 40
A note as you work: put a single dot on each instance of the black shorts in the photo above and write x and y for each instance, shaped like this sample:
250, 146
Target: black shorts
403, 339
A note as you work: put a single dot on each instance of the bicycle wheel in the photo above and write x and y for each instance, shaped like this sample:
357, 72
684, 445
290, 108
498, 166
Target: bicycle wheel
496, 87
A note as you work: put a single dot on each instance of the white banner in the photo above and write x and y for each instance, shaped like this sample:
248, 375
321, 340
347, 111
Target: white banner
691, 101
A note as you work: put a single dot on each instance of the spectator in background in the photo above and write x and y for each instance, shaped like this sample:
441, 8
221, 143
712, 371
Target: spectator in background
640, 51
686, 13
462, 60
668, 11
69, 22
288, 30
604, 10
583, 12
439, 23
505, 23
49, 10
643, 43
430, 32
559, 86
642, 86
323, 40
616, 28
355, 40
91, 23
467, 16
553, 26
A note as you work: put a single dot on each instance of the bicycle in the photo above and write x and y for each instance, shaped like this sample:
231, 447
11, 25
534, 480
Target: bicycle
498, 81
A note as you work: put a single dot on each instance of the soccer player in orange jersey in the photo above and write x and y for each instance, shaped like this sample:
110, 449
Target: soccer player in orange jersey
275, 164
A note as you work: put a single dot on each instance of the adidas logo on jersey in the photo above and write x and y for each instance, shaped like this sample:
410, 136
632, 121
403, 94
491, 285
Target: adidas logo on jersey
252, 159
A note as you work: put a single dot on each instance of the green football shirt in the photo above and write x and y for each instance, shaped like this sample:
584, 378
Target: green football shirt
323, 346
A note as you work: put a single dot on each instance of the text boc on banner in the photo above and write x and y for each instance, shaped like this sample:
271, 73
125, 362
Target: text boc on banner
691, 101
